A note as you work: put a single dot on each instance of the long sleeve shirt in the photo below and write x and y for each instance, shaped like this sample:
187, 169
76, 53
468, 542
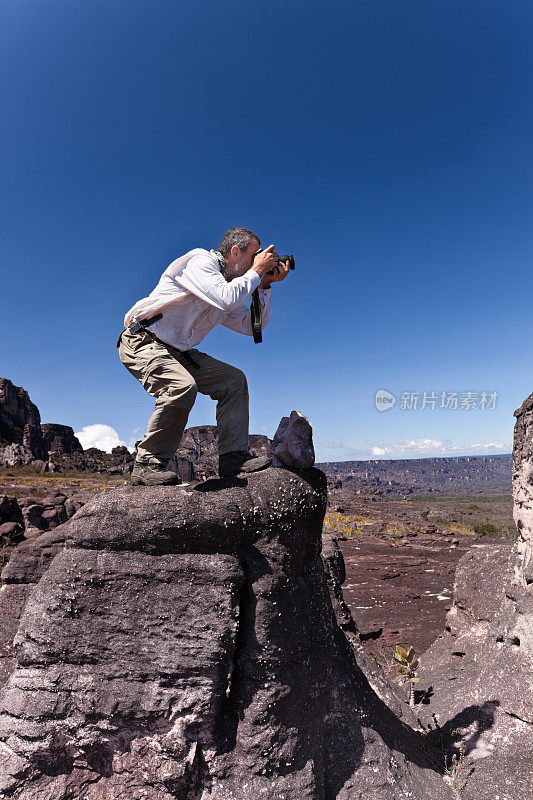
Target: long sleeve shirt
193, 296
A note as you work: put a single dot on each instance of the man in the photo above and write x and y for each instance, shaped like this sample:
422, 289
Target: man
196, 292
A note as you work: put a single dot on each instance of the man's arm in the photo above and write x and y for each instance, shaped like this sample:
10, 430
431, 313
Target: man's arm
240, 320
202, 277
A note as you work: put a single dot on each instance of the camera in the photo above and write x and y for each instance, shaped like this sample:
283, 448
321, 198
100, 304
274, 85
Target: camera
282, 260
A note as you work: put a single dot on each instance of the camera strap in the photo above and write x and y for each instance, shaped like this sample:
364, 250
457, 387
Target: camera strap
255, 314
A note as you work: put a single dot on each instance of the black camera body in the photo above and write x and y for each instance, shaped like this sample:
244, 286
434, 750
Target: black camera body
282, 260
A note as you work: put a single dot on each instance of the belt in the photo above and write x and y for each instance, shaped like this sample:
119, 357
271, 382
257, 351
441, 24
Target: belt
143, 325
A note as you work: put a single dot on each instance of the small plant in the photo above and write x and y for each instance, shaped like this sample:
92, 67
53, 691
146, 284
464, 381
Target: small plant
436, 741
455, 772
407, 666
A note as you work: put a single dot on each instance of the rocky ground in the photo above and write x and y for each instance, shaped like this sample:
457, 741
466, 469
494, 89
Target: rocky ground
401, 554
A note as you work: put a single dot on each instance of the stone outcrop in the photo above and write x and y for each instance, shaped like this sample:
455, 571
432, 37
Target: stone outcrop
60, 439
16, 412
192, 642
292, 445
20, 432
478, 676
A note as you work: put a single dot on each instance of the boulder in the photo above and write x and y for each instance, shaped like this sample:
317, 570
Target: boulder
32, 516
182, 642
10, 530
293, 442
15, 455
9, 509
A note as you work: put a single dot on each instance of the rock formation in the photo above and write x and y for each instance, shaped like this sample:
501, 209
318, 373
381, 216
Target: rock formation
20, 432
451, 475
16, 411
60, 439
478, 676
293, 442
192, 642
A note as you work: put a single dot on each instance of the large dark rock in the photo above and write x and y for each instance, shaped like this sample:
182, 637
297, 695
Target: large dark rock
478, 676
19, 426
61, 439
16, 411
181, 643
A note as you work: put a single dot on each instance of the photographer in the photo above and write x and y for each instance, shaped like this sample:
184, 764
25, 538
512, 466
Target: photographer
196, 292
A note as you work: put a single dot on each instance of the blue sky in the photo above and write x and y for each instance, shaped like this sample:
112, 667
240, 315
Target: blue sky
387, 144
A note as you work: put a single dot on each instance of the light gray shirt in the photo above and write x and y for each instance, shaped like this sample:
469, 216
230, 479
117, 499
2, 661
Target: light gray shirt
193, 296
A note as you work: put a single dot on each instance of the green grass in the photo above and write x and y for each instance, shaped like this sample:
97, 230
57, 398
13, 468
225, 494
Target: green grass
486, 514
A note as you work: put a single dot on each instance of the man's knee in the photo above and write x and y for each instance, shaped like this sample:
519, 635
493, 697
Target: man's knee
237, 380
182, 395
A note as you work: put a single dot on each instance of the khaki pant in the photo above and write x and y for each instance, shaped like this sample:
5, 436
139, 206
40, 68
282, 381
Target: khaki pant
167, 376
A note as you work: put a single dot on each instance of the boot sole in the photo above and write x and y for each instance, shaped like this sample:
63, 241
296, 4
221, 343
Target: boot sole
142, 482
243, 471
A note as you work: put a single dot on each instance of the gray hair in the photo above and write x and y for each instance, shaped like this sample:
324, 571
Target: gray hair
241, 237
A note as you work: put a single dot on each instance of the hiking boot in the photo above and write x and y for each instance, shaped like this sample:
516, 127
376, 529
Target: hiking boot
152, 475
240, 461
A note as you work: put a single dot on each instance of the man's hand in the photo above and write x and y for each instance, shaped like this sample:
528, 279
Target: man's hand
281, 270
265, 260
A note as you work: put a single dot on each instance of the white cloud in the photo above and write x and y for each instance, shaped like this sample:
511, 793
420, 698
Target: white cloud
104, 437
412, 447
420, 448
489, 446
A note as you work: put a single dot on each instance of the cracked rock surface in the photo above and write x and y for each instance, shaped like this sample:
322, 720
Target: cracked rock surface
178, 643
479, 675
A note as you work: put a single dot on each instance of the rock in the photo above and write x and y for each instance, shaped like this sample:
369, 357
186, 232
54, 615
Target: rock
20, 420
70, 508
184, 469
28, 501
479, 671
10, 530
15, 455
60, 439
293, 442
55, 499
182, 643
32, 440
120, 450
32, 516
29, 561
32, 533
9, 509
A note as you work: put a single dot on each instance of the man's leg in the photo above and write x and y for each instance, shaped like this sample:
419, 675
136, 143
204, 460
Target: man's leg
173, 387
228, 386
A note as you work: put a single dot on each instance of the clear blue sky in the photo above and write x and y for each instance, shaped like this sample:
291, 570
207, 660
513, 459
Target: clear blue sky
386, 144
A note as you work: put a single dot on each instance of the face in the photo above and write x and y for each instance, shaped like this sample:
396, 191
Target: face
241, 261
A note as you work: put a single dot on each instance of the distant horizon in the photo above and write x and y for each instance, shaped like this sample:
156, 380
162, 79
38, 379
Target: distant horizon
414, 458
